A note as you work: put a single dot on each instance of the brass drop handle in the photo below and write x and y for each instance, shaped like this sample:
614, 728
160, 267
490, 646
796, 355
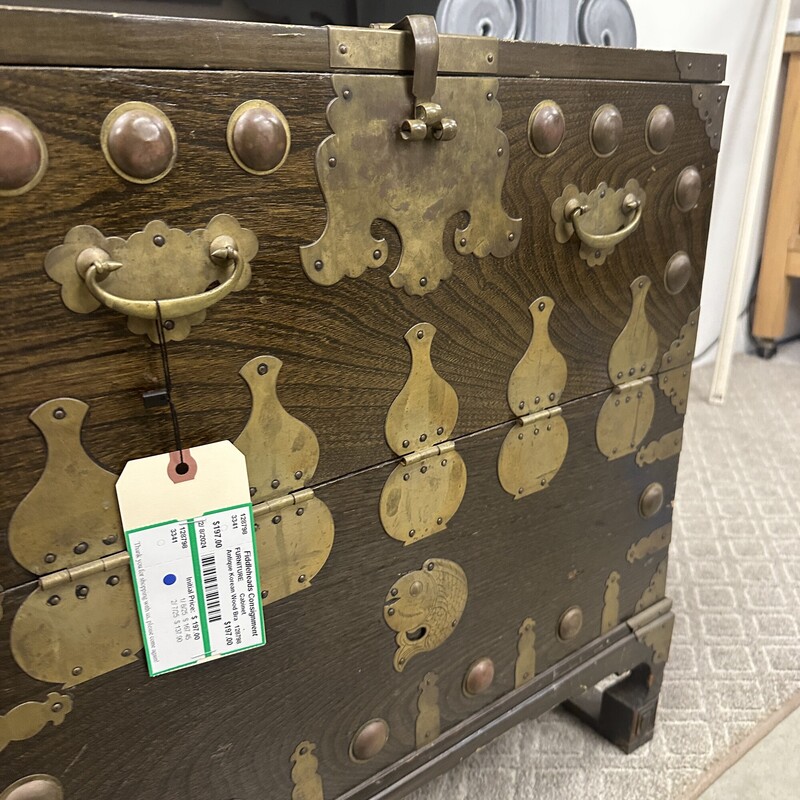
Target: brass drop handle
94, 264
574, 211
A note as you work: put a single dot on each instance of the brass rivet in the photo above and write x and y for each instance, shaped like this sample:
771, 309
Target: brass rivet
542, 306
276, 519
34, 787
56, 707
376, 254
406, 443
651, 500
318, 265
347, 94
605, 130
439, 520
677, 272
537, 400
393, 592
463, 242
390, 612
110, 539
159, 240
522, 404
687, 188
298, 475
423, 281
439, 431
412, 533
53, 600
490, 96
499, 151
23, 153
264, 594
406, 476
301, 579
169, 325
423, 437
520, 436
490, 58
546, 127
332, 161
80, 548
343, 48
444, 462
570, 624
139, 142
253, 491
659, 129
510, 237
479, 677
50, 558
263, 369
275, 484
369, 740
59, 413
125, 653
300, 512
113, 580
82, 591
431, 565
423, 470
77, 671
420, 334
552, 395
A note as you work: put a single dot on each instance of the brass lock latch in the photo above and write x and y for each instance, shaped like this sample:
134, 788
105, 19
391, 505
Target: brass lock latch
428, 116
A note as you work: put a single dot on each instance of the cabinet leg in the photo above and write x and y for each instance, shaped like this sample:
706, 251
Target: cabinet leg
625, 713
765, 348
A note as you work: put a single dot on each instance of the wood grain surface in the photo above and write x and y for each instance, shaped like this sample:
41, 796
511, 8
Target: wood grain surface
343, 350
227, 729
127, 40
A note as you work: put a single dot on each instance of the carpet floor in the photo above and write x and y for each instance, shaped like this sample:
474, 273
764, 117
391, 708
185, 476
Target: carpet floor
734, 576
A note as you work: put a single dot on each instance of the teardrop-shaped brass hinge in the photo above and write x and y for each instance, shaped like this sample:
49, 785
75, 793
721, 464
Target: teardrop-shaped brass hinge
295, 529
525, 665
533, 453
305, 777
676, 365
628, 411
70, 516
27, 719
428, 724
425, 490
424, 607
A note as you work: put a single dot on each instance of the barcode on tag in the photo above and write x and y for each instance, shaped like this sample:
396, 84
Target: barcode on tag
196, 584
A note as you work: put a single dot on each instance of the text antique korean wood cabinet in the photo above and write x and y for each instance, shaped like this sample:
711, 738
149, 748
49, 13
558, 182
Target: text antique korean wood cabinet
442, 292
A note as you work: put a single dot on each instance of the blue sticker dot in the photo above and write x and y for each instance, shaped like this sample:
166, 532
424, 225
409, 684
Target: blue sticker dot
169, 579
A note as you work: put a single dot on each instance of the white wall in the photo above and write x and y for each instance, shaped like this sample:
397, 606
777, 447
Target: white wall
741, 29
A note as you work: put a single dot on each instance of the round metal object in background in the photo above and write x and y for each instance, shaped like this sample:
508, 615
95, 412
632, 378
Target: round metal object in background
687, 188
546, 128
23, 153
660, 129
369, 740
677, 272
504, 19
34, 787
608, 23
605, 130
570, 624
651, 500
258, 137
479, 677
139, 142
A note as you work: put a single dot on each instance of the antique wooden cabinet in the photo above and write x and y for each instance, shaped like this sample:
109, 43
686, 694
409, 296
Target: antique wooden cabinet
441, 292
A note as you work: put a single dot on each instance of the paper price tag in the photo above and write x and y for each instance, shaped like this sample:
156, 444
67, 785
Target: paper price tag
195, 571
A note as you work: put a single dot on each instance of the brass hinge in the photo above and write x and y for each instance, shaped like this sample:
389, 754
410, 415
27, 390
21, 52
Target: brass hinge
540, 416
72, 574
427, 452
276, 504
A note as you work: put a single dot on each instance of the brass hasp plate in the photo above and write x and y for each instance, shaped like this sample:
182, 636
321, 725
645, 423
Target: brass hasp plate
601, 219
159, 271
424, 607
369, 170
305, 775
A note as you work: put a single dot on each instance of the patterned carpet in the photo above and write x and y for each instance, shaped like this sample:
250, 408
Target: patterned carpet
734, 576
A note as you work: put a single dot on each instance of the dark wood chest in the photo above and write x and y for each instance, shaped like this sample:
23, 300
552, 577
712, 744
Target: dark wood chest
442, 292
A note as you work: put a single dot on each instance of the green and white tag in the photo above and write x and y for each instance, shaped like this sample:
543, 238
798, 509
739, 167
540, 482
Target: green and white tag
195, 575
